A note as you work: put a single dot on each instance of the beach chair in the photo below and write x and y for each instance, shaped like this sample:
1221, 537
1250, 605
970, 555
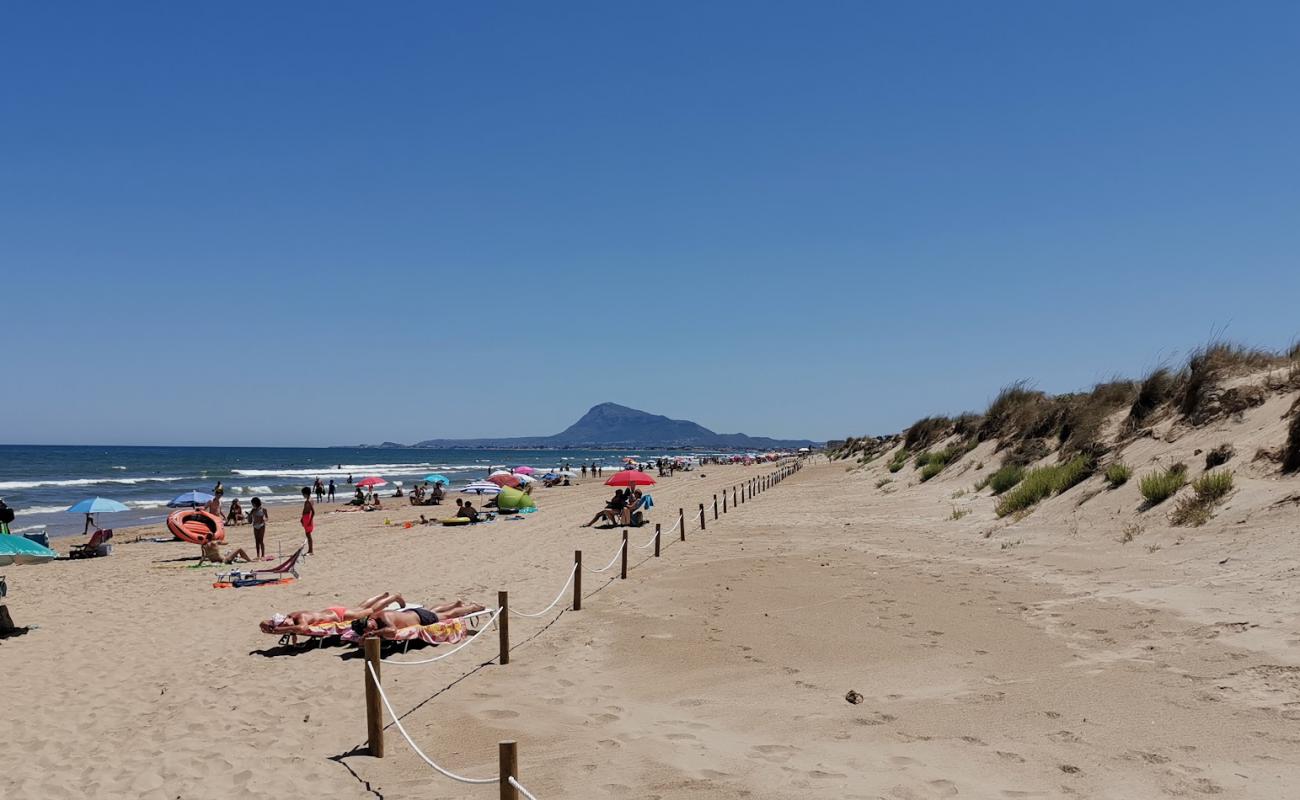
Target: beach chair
96, 546
286, 572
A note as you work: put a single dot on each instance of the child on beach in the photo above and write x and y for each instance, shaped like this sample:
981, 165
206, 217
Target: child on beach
259, 517
308, 517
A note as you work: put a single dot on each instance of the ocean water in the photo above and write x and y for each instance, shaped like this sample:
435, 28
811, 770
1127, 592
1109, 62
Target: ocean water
40, 482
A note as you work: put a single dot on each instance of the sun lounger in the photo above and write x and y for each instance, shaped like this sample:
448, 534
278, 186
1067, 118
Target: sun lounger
286, 572
96, 546
448, 631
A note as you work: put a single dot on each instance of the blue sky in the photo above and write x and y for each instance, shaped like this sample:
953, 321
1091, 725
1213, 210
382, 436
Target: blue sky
318, 223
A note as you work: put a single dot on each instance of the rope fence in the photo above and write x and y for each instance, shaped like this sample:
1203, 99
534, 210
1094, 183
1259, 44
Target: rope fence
510, 787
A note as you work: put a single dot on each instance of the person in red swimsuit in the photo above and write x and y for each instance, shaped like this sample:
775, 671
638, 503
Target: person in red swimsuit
308, 517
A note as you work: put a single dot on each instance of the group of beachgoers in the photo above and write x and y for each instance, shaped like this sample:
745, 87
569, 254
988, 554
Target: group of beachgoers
381, 616
626, 507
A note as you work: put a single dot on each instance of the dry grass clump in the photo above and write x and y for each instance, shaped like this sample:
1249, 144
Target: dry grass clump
1005, 478
967, 425
925, 432
1039, 484
1291, 450
1207, 492
1117, 474
1219, 456
1010, 411
1158, 487
880, 484
1210, 364
1156, 389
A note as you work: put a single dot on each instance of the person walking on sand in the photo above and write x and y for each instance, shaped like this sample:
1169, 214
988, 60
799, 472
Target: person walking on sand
320, 491
331, 490
6, 516
308, 517
259, 516
214, 505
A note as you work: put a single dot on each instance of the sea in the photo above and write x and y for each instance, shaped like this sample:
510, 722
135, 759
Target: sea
41, 482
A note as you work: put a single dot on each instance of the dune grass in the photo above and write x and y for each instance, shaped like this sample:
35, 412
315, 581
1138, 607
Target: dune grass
1291, 451
1158, 487
899, 460
1117, 474
930, 470
1005, 478
1207, 492
1043, 482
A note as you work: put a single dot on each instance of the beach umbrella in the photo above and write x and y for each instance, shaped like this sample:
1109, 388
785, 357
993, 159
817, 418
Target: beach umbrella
434, 477
504, 480
550, 476
195, 498
630, 477
566, 473
21, 550
481, 487
97, 505
373, 480
499, 472
525, 470
526, 478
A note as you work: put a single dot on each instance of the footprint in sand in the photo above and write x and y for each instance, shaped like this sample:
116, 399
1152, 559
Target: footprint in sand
609, 744
500, 713
1009, 756
775, 753
1065, 737
680, 737
603, 717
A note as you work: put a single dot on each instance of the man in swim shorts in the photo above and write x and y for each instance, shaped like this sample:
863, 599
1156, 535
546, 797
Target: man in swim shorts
377, 624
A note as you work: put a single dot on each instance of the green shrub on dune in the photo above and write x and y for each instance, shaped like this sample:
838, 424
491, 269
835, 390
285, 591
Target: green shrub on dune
1158, 487
1039, 484
1005, 478
1117, 474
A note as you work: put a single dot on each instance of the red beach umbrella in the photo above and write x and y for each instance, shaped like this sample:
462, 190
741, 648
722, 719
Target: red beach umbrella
630, 477
505, 480
373, 480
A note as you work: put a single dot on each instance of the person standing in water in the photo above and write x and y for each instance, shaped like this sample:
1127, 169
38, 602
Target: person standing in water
331, 490
308, 517
259, 516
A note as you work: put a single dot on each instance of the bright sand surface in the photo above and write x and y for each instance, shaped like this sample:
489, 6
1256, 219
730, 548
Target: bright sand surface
1065, 665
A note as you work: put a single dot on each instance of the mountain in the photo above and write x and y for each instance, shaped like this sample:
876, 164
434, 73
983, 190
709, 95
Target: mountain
612, 425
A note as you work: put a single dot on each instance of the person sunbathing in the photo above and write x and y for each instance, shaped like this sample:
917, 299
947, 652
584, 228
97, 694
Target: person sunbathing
287, 623
613, 511
385, 624
211, 553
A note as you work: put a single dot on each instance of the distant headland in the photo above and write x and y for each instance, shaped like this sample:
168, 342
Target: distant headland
615, 426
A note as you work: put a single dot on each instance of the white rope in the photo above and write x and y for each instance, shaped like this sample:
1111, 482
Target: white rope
520, 787
370, 667
450, 652
610, 564
563, 589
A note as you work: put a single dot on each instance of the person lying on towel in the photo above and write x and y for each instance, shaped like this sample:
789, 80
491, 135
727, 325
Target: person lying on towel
386, 623
281, 623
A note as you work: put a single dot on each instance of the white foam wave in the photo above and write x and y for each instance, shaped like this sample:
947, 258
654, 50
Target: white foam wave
10, 485
252, 489
355, 470
119, 467
42, 510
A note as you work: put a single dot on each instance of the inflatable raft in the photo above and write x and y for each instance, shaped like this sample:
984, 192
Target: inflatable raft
196, 526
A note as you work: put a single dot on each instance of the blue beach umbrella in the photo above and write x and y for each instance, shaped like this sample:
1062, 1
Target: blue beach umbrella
97, 505
189, 499
434, 477
21, 550
481, 488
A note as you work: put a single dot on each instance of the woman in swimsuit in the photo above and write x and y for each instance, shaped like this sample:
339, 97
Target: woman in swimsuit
281, 623
308, 517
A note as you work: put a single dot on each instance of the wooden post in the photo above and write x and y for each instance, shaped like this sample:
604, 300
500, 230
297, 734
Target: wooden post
577, 580
374, 713
503, 625
681, 523
701, 516
622, 573
508, 760
733, 497
656, 540
715, 506
724, 501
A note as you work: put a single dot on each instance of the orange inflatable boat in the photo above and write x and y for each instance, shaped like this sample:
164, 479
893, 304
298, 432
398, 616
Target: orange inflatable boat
196, 526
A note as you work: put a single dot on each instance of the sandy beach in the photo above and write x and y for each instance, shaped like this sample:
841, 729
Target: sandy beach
1068, 664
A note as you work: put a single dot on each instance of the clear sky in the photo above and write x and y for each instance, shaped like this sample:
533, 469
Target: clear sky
328, 223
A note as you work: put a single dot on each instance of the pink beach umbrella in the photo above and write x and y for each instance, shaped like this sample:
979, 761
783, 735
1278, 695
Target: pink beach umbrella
525, 470
373, 480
